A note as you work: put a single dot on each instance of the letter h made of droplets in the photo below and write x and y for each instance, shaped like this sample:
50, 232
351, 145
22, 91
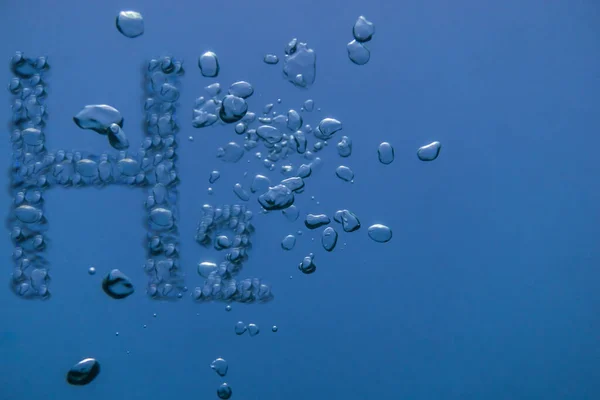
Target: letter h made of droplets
35, 170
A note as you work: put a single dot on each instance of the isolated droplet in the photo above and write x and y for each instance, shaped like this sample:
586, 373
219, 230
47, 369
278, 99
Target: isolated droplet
224, 391
92, 271
130, 23
231, 152
117, 285
209, 64
307, 266
271, 59
344, 173
240, 328
274, 328
385, 152
380, 233
329, 238
429, 152
253, 329
220, 366
288, 242
83, 372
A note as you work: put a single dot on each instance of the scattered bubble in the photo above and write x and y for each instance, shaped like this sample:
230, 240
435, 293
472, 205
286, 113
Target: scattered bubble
240, 328
231, 152
429, 152
380, 233
363, 29
288, 242
344, 173
92, 271
227, 308
214, 176
260, 183
269, 134
84, 372
344, 147
314, 221
210, 191
348, 219
130, 23
309, 105
326, 128
358, 53
154, 315
220, 366
241, 89
191, 138
117, 285
224, 391
209, 64
291, 213
240, 192
299, 66
329, 238
307, 266
277, 197
271, 59
253, 329
205, 268
98, 118
385, 152
274, 328
116, 333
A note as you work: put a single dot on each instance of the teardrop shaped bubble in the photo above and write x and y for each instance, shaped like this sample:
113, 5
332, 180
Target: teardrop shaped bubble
380, 233
276, 198
429, 152
326, 128
240, 328
363, 29
241, 89
220, 366
209, 64
84, 372
117, 285
344, 173
358, 53
205, 268
329, 238
385, 152
233, 109
98, 118
130, 23
253, 329
214, 176
231, 152
288, 242
224, 391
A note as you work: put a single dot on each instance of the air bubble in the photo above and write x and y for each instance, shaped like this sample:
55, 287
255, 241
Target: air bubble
277, 197
380, 233
240, 192
233, 109
327, 128
214, 176
299, 66
291, 213
241, 89
329, 238
344, 147
253, 329
358, 53
224, 391
344, 173
205, 268
117, 285
117, 138
274, 328
307, 266
98, 118
385, 152
309, 105
314, 221
240, 328
363, 29
231, 152
260, 183
92, 271
271, 59
209, 64
84, 372
348, 219
220, 366
130, 23
288, 242
429, 152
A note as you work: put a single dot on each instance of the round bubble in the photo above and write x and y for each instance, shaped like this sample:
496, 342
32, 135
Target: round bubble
380, 233
358, 53
130, 23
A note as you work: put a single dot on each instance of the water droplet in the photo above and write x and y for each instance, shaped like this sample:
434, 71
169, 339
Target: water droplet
271, 59
231, 152
240, 192
83, 372
154, 315
92, 271
326, 128
309, 105
240, 328
253, 329
385, 152
344, 173
291, 213
329, 238
260, 184
307, 266
344, 147
224, 391
277, 197
213, 89
130, 23
28, 214
98, 118
429, 152
295, 183
288, 242
348, 219
274, 328
191, 138
314, 221
299, 66
227, 308
363, 29
269, 134
117, 285
209, 64
205, 268
358, 53
116, 333
233, 109
380, 233
220, 366
214, 176
241, 89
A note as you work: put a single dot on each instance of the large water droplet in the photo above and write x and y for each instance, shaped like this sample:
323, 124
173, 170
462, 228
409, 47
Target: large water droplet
240, 328
429, 152
299, 66
385, 152
231, 152
329, 238
130, 23
314, 221
117, 285
233, 109
83, 372
363, 29
220, 366
344, 173
380, 233
209, 64
358, 53
98, 118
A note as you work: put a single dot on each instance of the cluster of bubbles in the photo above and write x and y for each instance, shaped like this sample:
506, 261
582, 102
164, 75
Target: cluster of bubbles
241, 328
362, 31
228, 228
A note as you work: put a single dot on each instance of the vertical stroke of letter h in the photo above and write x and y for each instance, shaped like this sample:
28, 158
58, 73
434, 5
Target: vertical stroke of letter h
35, 169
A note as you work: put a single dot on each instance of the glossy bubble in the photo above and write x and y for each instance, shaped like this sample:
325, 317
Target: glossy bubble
233, 109
429, 152
329, 238
224, 391
348, 219
274, 328
220, 366
291, 213
117, 285
271, 59
205, 268
288, 242
92, 271
314, 221
84, 372
253, 329
241, 89
98, 118
214, 176
130, 23
344, 173
299, 66
307, 266
240, 328
358, 53
385, 152
380, 233
277, 197
327, 128
363, 29
209, 64
231, 152
344, 147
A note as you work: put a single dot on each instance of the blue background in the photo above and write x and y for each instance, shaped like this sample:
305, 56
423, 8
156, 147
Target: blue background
489, 287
